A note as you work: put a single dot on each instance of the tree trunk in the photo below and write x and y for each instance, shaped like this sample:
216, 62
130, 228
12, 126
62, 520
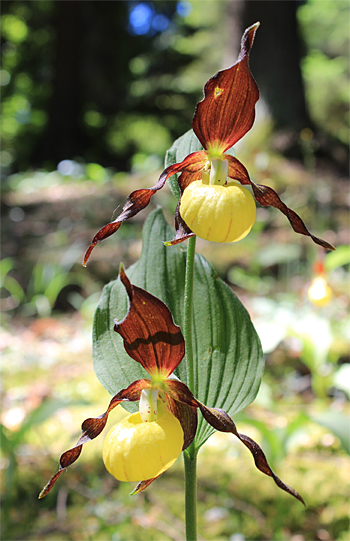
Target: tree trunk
63, 138
275, 59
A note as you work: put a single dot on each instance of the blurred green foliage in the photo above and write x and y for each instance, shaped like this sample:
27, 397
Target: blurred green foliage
124, 100
325, 30
47, 281
25, 77
120, 102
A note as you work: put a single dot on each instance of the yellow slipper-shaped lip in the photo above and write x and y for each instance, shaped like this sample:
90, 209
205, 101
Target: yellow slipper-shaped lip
218, 213
136, 451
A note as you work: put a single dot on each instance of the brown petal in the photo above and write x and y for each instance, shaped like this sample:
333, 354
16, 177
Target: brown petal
150, 336
221, 421
227, 110
187, 177
182, 400
180, 392
139, 199
183, 232
266, 196
142, 485
236, 170
93, 427
187, 415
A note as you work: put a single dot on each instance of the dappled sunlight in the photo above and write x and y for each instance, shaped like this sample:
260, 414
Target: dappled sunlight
80, 132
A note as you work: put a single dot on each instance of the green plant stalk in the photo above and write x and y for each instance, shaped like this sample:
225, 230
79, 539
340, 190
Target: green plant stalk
188, 309
190, 463
190, 455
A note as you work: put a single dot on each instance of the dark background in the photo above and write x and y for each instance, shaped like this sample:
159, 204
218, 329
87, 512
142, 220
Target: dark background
103, 81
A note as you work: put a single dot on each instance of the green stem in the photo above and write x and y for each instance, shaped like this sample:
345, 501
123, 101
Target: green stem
188, 305
190, 463
190, 455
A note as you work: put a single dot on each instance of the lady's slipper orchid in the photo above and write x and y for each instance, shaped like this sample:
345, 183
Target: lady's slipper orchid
152, 339
319, 292
222, 118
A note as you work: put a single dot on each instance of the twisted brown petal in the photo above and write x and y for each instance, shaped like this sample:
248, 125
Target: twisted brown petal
179, 392
227, 110
139, 199
266, 197
183, 232
93, 427
221, 421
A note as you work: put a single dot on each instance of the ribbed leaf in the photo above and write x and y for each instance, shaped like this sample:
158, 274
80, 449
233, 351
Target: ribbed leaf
227, 350
184, 145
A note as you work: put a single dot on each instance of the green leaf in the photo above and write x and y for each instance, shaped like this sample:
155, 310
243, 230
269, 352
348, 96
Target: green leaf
277, 253
227, 351
338, 258
338, 423
184, 145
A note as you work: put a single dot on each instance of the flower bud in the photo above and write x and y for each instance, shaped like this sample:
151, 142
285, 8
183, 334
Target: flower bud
136, 451
218, 213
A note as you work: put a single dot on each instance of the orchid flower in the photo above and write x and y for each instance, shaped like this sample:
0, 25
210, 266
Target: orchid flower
145, 444
223, 117
319, 291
